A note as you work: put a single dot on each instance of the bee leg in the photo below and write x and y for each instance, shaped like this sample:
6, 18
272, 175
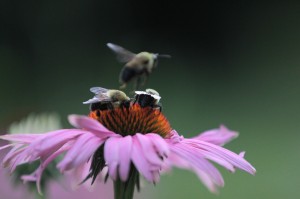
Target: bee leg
125, 104
145, 79
139, 83
136, 99
123, 86
98, 113
110, 106
159, 108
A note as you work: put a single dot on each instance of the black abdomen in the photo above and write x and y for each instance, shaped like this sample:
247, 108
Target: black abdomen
101, 106
145, 100
127, 74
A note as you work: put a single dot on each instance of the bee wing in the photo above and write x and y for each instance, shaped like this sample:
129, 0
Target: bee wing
91, 101
101, 97
123, 55
98, 90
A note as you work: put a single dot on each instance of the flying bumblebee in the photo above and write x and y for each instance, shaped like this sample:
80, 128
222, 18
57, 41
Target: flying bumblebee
107, 99
136, 65
148, 98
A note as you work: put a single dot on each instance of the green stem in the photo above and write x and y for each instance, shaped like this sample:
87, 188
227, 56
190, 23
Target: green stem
38, 196
125, 190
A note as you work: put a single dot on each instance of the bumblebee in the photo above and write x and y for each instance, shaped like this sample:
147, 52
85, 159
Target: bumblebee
136, 65
107, 99
148, 98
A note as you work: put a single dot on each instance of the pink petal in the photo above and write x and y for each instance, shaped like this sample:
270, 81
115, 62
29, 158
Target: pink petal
148, 149
52, 141
206, 179
6, 146
139, 160
92, 125
222, 153
156, 176
125, 146
218, 136
242, 154
23, 138
11, 155
184, 163
113, 170
208, 172
215, 158
79, 173
45, 145
18, 157
80, 152
111, 155
160, 144
58, 137
37, 174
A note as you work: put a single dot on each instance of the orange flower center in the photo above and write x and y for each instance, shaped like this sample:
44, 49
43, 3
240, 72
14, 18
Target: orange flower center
132, 120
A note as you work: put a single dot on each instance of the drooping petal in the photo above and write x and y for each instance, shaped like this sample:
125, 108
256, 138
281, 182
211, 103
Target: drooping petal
11, 155
45, 161
23, 138
148, 149
6, 146
215, 158
44, 146
52, 141
80, 152
219, 136
112, 155
91, 125
203, 164
179, 161
160, 144
208, 174
222, 153
125, 146
139, 160
18, 157
79, 173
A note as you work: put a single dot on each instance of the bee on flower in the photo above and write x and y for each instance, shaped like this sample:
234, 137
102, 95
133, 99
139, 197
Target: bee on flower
130, 141
107, 99
150, 98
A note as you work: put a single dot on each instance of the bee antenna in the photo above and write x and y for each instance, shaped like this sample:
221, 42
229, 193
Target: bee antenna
163, 56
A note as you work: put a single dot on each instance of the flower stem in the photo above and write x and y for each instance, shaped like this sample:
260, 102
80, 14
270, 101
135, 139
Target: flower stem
125, 190
38, 196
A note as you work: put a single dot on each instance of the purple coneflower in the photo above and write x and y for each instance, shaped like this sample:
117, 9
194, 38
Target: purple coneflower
129, 141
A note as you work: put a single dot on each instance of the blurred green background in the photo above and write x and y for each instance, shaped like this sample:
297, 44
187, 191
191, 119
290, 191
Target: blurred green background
234, 63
